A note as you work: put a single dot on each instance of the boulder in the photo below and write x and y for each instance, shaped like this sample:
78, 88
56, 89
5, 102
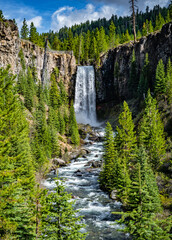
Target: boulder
113, 194
78, 173
59, 162
96, 164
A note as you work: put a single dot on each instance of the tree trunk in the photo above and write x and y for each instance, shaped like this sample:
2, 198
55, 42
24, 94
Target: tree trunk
134, 20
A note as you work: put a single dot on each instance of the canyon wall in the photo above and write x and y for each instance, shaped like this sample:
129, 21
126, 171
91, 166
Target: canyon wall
10, 45
112, 88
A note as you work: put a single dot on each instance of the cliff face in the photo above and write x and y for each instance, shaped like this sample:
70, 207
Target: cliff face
10, 45
109, 87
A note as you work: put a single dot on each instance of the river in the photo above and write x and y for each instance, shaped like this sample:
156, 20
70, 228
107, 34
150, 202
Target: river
93, 204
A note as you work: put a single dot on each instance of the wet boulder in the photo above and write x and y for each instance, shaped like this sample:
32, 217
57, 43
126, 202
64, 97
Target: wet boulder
58, 162
96, 164
113, 194
78, 173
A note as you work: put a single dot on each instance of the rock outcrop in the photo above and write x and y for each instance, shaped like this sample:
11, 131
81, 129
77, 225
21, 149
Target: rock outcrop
112, 88
10, 45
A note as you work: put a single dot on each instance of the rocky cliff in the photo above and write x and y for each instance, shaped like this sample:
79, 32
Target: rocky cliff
10, 45
112, 88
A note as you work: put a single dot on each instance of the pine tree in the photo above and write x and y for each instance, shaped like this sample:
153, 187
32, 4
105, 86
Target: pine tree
112, 35
33, 34
150, 27
160, 81
143, 202
167, 19
24, 30
144, 30
73, 127
144, 78
169, 81
103, 43
70, 40
56, 43
55, 99
127, 36
63, 93
125, 138
159, 22
1, 16
55, 148
58, 219
87, 46
170, 11
21, 83
108, 173
16, 165
30, 90
61, 122
151, 132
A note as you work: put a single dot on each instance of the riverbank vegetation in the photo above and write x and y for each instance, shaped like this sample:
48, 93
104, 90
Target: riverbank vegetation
136, 157
33, 121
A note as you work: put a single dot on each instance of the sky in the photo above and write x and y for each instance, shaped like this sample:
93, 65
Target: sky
54, 14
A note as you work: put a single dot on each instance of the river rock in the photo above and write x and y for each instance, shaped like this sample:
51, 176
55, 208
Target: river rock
113, 194
78, 173
88, 169
59, 162
96, 164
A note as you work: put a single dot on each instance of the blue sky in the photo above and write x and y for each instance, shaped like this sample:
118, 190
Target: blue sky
54, 14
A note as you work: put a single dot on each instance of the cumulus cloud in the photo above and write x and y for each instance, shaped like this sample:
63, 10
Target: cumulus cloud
19, 12
140, 3
68, 16
36, 20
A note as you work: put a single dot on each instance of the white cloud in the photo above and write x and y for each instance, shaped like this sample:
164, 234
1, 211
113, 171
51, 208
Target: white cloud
36, 20
68, 16
152, 3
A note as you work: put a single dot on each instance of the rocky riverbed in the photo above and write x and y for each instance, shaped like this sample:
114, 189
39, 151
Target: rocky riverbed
81, 180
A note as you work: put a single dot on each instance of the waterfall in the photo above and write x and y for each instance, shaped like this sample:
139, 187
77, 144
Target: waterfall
85, 95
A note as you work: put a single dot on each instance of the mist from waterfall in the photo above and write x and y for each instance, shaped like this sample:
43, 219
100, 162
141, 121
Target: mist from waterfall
85, 96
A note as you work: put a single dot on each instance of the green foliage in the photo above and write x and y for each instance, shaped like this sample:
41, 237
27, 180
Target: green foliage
55, 99
34, 36
30, 90
160, 83
24, 30
159, 22
170, 11
151, 132
61, 122
59, 220
108, 174
16, 165
21, 83
112, 35
125, 138
144, 79
73, 127
22, 59
88, 40
169, 81
1, 16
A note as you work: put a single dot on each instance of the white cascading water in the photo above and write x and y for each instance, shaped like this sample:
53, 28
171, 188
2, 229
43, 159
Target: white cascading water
85, 95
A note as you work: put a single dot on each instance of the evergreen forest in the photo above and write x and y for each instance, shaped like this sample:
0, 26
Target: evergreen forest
38, 124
